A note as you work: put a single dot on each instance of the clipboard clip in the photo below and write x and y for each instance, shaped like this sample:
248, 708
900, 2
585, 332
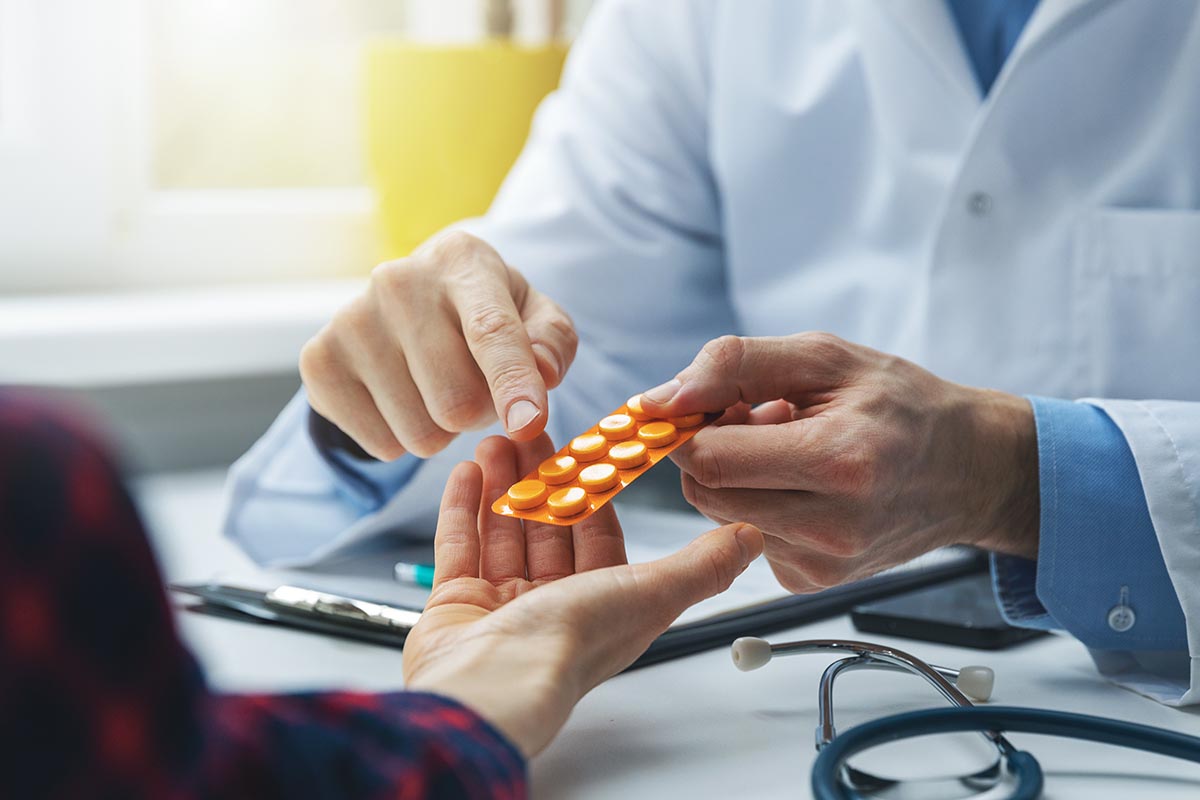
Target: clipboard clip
323, 604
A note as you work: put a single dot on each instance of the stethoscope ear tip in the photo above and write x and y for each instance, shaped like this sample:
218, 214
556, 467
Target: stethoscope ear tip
750, 652
976, 682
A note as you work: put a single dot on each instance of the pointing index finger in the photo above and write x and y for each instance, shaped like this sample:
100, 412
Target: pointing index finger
496, 336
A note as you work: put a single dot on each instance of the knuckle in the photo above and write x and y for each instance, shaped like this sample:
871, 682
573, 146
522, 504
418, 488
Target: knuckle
822, 341
455, 244
706, 468
460, 255
317, 360
489, 324
826, 347
395, 278
724, 352
352, 320
563, 328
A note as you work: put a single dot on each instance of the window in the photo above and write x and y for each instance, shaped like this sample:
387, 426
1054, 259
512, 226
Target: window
53, 203
176, 142
260, 94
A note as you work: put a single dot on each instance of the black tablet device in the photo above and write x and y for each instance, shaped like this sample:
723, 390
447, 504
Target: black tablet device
961, 612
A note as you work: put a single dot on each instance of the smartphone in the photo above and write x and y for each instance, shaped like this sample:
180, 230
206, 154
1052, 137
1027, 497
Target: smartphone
961, 612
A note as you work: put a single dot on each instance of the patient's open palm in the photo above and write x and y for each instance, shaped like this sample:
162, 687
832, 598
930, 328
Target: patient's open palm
525, 618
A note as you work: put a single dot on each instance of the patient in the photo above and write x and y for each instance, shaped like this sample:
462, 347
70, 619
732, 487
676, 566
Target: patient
101, 699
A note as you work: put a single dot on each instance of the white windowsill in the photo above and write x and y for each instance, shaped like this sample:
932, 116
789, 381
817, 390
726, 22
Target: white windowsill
85, 341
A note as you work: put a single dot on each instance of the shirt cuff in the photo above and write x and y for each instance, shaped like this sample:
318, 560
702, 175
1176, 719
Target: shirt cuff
1100, 571
367, 480
357, 744
1014, 580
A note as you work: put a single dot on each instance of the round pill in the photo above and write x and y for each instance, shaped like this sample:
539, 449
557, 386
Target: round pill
657, 434
617, 427
627, 455
634, 406
687, 420
598, 477
559, 469
568, 502
588, 447
524, 495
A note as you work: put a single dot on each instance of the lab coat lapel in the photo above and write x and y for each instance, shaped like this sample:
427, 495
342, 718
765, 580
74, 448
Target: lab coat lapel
921, 83
915, 32
1051, 20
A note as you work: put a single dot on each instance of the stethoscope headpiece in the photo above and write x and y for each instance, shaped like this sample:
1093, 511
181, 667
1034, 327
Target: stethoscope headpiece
975, 681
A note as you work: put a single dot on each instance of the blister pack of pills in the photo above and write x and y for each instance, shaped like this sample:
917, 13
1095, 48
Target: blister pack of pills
596, 465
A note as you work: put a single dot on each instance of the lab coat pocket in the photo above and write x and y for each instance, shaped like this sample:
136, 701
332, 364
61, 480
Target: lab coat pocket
1136, 312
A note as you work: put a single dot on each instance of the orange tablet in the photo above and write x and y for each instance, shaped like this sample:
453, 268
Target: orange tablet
596, 465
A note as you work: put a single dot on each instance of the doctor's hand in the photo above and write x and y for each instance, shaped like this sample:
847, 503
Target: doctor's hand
441, 342
851, 460
524, 621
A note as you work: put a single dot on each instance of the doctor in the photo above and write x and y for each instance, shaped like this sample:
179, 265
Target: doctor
1005, 193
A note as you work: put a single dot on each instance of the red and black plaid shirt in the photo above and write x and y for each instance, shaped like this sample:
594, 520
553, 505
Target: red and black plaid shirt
98, 697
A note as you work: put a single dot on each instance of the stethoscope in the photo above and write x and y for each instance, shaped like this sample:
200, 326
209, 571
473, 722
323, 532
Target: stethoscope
834, 779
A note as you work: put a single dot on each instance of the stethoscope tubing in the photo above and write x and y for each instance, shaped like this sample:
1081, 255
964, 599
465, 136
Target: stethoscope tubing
826, 772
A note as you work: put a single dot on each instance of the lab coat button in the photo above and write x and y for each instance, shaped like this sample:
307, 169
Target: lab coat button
979, 204
1121, 618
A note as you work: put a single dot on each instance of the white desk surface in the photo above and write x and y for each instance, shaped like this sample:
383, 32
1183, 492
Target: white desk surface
694, 727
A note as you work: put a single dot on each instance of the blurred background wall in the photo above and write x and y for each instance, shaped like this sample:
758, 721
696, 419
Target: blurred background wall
186, 195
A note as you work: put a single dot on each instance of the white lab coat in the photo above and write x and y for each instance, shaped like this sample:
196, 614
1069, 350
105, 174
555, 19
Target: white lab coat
770, 167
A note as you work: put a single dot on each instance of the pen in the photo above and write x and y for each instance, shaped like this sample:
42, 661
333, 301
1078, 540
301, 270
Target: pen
418, 574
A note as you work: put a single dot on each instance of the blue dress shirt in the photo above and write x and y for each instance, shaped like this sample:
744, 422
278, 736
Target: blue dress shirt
989, 29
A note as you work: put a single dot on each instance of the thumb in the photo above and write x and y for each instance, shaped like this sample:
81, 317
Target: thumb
623, 609
734, 369
706, 567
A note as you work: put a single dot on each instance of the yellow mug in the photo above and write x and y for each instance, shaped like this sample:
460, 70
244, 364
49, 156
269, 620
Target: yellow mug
444, 125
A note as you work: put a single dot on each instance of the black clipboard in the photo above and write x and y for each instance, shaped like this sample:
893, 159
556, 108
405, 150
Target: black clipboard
760, 619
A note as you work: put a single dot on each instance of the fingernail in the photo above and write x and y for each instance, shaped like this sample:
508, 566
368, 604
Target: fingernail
748, 539
663, 392
548, 356
520, 414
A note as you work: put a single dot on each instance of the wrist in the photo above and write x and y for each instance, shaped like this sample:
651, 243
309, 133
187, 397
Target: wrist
525, 697
1006, 474
519, 725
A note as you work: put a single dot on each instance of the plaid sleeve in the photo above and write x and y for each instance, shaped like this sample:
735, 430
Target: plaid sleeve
98, 697
348, 744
